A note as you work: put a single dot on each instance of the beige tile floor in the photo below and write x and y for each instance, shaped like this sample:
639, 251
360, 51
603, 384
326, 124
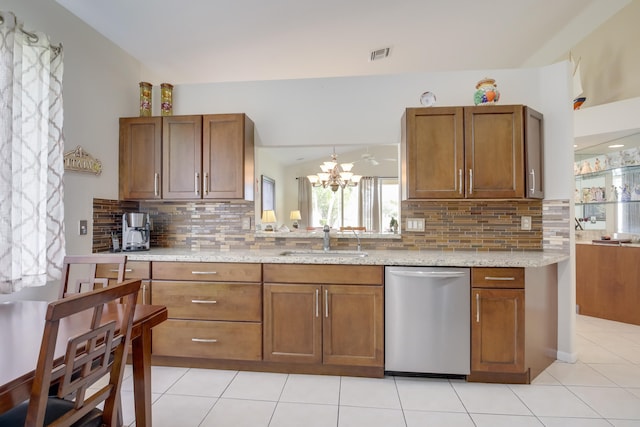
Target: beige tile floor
601, 389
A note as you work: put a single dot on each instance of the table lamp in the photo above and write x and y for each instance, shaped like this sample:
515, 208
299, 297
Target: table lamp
268, 218
295, 216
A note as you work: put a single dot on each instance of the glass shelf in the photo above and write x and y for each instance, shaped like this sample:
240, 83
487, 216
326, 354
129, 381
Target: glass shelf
608, 199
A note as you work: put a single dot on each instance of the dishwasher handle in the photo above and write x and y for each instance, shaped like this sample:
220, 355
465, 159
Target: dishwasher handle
437, 274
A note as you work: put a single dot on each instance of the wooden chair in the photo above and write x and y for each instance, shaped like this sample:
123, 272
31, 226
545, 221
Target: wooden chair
91, 262
99, 350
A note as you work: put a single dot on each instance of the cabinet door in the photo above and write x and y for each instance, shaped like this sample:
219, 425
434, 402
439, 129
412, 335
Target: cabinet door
223, 154
534, 145
292, 323
494, 158
497, 330
182, 157
607, 282
433, 153
353, 331
140, 155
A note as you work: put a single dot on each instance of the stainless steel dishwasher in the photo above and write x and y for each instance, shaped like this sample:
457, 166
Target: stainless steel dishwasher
427, 320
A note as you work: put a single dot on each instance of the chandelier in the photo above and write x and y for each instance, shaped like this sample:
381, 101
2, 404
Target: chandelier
334, 176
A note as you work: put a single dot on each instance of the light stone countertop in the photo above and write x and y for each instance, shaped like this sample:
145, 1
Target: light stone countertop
375, 257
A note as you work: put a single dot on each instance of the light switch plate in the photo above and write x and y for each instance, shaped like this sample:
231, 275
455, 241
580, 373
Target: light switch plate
82, 227
415, 224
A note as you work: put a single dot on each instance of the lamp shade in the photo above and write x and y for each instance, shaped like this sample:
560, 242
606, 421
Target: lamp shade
295, 215
268, 216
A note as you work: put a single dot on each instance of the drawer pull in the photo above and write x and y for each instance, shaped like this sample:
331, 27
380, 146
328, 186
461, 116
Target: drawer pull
203, 301
205, 340
500, 278
204, 272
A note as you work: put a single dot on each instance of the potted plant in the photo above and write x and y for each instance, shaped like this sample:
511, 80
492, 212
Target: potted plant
394, 225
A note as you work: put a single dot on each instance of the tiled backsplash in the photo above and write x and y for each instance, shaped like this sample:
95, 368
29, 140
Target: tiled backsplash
449, 225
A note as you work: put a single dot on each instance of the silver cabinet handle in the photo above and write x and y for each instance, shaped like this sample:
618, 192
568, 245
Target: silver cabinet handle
317, 302
144, 293
533, 181
460, 181
205, 183
204, 272
477, 307
156, 184
204, 340
203, 301
326, 303
499, 278
196, 181
470, 181
126, 270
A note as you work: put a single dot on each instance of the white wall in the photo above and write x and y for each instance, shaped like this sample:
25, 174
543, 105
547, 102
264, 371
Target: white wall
100, 84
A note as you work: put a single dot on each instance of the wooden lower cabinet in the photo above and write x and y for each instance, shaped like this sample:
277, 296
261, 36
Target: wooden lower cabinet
322, 323
607, 282
497, 330
514, 323
210, 340
330, 324
215, 310
133, 270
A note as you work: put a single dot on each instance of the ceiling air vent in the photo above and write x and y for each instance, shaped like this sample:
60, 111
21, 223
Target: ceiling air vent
379, 53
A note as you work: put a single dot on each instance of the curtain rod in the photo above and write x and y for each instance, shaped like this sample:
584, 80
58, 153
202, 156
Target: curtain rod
33, 37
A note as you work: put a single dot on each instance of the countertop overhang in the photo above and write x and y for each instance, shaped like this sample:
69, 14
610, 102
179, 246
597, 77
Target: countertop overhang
426, 258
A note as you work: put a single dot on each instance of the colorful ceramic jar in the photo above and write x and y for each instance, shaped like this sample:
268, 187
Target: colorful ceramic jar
145, 99
166, 99
486, 92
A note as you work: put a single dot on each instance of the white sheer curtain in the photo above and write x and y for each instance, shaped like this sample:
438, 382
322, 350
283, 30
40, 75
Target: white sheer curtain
31, 157
369, 203
304, 202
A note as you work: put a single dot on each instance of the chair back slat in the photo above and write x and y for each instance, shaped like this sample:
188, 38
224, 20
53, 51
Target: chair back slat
89, 265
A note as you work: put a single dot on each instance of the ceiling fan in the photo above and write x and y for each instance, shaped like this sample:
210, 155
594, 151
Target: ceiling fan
371, 159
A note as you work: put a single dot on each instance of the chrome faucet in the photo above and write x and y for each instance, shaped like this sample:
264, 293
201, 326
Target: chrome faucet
357, 237
325, 243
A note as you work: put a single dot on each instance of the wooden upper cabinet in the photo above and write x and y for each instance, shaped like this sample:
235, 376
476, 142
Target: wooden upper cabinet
187, 157
182, 157
471, 152
534, 156
140, 160
433, 153
227, 155
494, 152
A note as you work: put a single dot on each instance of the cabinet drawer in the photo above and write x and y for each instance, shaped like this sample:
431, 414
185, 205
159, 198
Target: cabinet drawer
210, 301
324, 274
133, 270
207, 271
490, 277
212, 340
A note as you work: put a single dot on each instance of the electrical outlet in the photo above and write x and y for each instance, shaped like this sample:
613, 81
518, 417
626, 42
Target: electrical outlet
246, 223
415, 224
525, 223
82, 227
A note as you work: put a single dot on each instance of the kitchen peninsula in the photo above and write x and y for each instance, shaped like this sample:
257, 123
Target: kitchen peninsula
234, 309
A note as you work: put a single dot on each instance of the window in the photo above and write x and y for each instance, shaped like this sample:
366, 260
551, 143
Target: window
342, 208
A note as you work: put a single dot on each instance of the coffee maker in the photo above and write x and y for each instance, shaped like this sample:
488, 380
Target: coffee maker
135, 231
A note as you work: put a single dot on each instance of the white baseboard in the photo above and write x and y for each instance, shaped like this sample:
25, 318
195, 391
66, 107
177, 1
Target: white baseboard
567, 357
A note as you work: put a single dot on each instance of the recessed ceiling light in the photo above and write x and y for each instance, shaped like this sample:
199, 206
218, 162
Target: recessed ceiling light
616, 146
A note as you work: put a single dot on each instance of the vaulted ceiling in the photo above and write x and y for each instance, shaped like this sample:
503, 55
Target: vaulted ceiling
202, 41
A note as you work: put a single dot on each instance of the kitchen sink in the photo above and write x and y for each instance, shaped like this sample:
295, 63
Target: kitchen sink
330, 253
